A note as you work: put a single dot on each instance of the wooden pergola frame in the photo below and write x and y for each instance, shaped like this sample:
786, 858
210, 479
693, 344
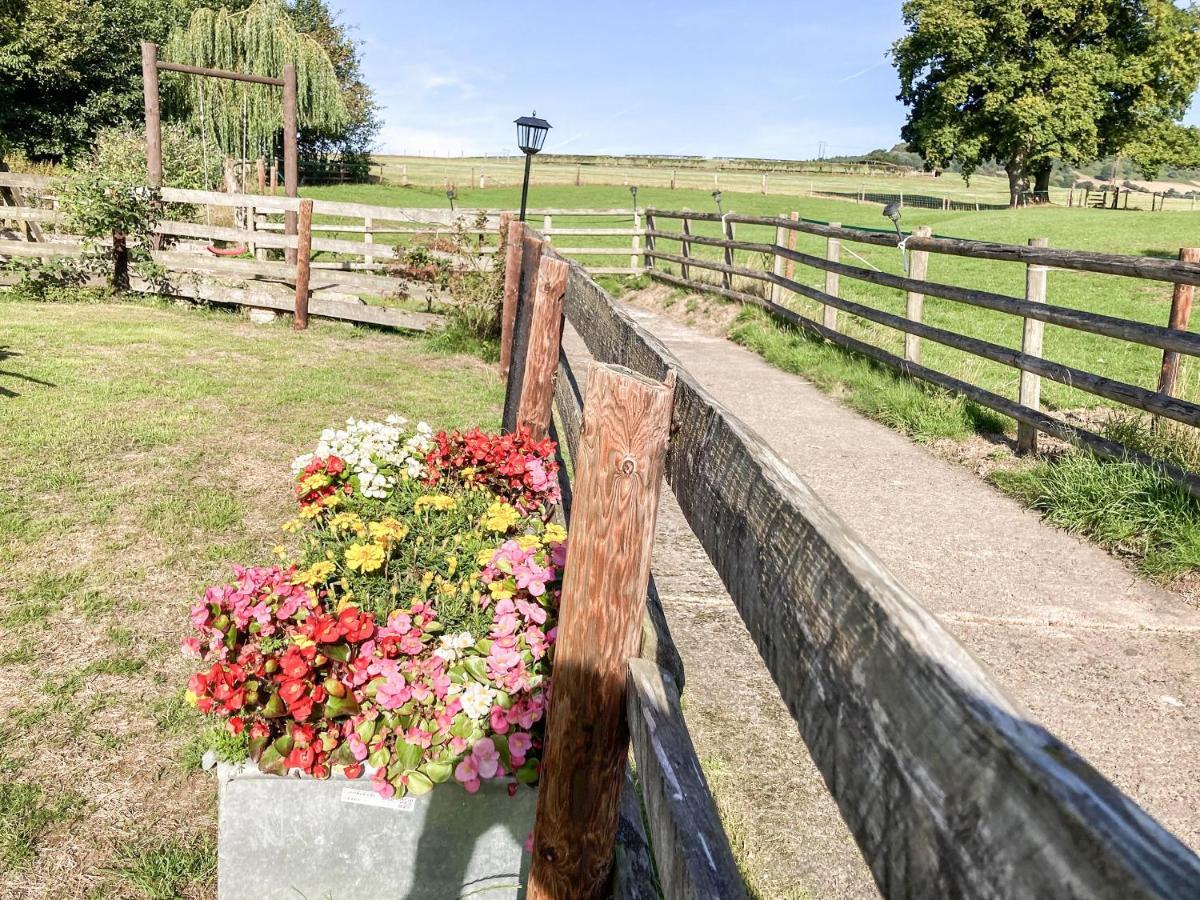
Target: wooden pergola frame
150, 68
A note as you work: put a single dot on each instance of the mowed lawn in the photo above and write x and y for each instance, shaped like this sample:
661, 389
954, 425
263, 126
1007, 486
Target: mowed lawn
1113, 231
146, 448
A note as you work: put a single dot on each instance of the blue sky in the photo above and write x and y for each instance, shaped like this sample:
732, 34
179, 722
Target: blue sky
715, 79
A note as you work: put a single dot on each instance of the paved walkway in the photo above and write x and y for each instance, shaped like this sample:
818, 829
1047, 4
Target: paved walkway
1109, 663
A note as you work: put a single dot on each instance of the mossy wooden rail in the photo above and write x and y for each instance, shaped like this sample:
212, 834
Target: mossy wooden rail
947, 784
1173, 339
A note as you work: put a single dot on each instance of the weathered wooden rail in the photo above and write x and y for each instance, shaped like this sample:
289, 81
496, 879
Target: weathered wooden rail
1173, 339
948, 786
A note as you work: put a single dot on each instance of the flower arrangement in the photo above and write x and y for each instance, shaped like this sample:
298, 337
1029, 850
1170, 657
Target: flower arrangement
409, 637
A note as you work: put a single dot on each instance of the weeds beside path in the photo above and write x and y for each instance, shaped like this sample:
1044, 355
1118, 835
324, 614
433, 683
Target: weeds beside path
146, 447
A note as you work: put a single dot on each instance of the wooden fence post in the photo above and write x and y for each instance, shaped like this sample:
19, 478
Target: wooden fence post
833, 252
368, 238
291, 177
513, 242
531, 255
672, 179
1181, 312
303, 261
777, 266
260, 171
622, 445
635, 241
274, 175
1031, 344
153, 120
789, 269
547, 224
541, 353
685, 246
726, 278
914, 304
651, 242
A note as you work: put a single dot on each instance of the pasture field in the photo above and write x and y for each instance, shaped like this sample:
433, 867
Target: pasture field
1129, 232
147, 447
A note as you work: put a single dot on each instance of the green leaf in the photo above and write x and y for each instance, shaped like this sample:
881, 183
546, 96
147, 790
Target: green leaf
477, 669
418, 784
528, 773
438, 773
408, 755
336, 707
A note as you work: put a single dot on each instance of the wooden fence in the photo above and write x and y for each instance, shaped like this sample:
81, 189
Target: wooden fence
946, 784
1034, 312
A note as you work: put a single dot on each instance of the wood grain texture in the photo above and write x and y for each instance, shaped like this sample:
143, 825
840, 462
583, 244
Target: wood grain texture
1181, 312
303, 262
633, 860
542, 349
1078, 260
617, 477
514, 241
1110, 326
914, 301
291, 164
947, 785
1030, 390
690, 847
657, 643
531, 256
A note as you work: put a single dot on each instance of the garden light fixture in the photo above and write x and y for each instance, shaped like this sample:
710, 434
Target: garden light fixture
633, 193
892, 211
716, 195
452, 195
531, 134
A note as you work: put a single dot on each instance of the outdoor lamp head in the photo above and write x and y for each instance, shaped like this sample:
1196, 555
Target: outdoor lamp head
892, 211
531, 133
716, 195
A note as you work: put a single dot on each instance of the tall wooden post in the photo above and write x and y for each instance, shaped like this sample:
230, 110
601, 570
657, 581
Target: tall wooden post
651, 241
274, 175
154, 172
789, 269
541, 353
685, 246
303, 262
777, 264
1030, 390
531, 255
726, 277
833, 252
291, 177
914, 304
1181, 312
635, 244
622, 445
261, 172
513, 244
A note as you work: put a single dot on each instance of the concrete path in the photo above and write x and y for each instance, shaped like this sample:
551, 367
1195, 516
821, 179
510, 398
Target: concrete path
1108, 662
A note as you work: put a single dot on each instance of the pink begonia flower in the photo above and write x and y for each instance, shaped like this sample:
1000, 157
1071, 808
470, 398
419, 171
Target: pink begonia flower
531, 611
519, 745
190, 647
487, 757
411, 644
467, 772
457, 744
418, 736
499, 719
393, 693
535, 640
532, 577
382, 786
538, 479
357, 747
420, 692
441, 684
558, 555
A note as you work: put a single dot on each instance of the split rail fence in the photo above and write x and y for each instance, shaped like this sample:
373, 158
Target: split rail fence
948, 787
1172, 339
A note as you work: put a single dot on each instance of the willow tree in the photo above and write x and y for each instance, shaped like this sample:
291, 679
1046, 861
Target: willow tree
240, 119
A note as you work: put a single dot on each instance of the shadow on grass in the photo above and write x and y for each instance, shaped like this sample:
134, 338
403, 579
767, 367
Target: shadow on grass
8, 353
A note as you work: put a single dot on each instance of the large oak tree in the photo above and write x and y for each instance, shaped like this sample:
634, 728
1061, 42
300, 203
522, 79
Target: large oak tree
1029, 82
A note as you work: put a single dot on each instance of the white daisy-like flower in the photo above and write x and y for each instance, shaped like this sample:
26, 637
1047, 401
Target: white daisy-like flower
477, 700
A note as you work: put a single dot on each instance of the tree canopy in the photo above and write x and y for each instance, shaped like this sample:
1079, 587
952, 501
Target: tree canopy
1029, 82
69, 68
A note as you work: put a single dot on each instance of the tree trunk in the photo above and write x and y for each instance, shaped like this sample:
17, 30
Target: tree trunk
1015, 170
1041, 185
120, 280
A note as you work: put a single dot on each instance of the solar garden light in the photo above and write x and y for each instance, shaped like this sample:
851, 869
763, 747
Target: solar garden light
633, 192
716, 195
892, 211
452, 195
531, 134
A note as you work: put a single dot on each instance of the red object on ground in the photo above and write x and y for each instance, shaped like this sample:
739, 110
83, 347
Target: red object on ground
237, 250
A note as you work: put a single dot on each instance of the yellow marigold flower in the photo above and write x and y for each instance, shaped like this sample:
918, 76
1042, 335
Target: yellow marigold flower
388, 530
426, 580
451, 565
311, 511
364, 557
348, 521
435, 501
317, 573
529, 541
502, 590
500, 517
316, 481
301, 641
291, 526
554, 533
280, 551
333, 501
190, 698
484, 556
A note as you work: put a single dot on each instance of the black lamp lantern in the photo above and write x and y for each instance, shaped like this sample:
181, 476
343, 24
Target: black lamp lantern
892, 211
452, 195
633, 193
531, 135
716, 195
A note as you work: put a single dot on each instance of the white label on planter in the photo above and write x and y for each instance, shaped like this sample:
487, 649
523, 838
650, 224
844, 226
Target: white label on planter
370, 798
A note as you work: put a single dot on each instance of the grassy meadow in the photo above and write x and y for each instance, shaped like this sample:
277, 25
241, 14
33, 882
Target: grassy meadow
147, 448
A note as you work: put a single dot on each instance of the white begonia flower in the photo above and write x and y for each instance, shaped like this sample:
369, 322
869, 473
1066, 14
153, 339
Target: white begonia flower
375, 452
446, 653
477, 700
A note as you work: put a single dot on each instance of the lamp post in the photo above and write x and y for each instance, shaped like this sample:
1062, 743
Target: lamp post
716, 195
531, 134
452, 195
633, 193
892, 211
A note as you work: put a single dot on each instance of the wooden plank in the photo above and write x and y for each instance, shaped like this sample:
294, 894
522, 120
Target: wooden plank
542, 349
1030, 391
1081, 320
1077, 260
690, 847
303, 259
589, 232
23, 180
592, 251
776, 265
39, 248
1181, 312
224, 233
531, 254
617, 475
1119, 391
947, 785
833, 250
33, 214
514, 238
363, 282
221, 73
914, 301
685, 245
633, 860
